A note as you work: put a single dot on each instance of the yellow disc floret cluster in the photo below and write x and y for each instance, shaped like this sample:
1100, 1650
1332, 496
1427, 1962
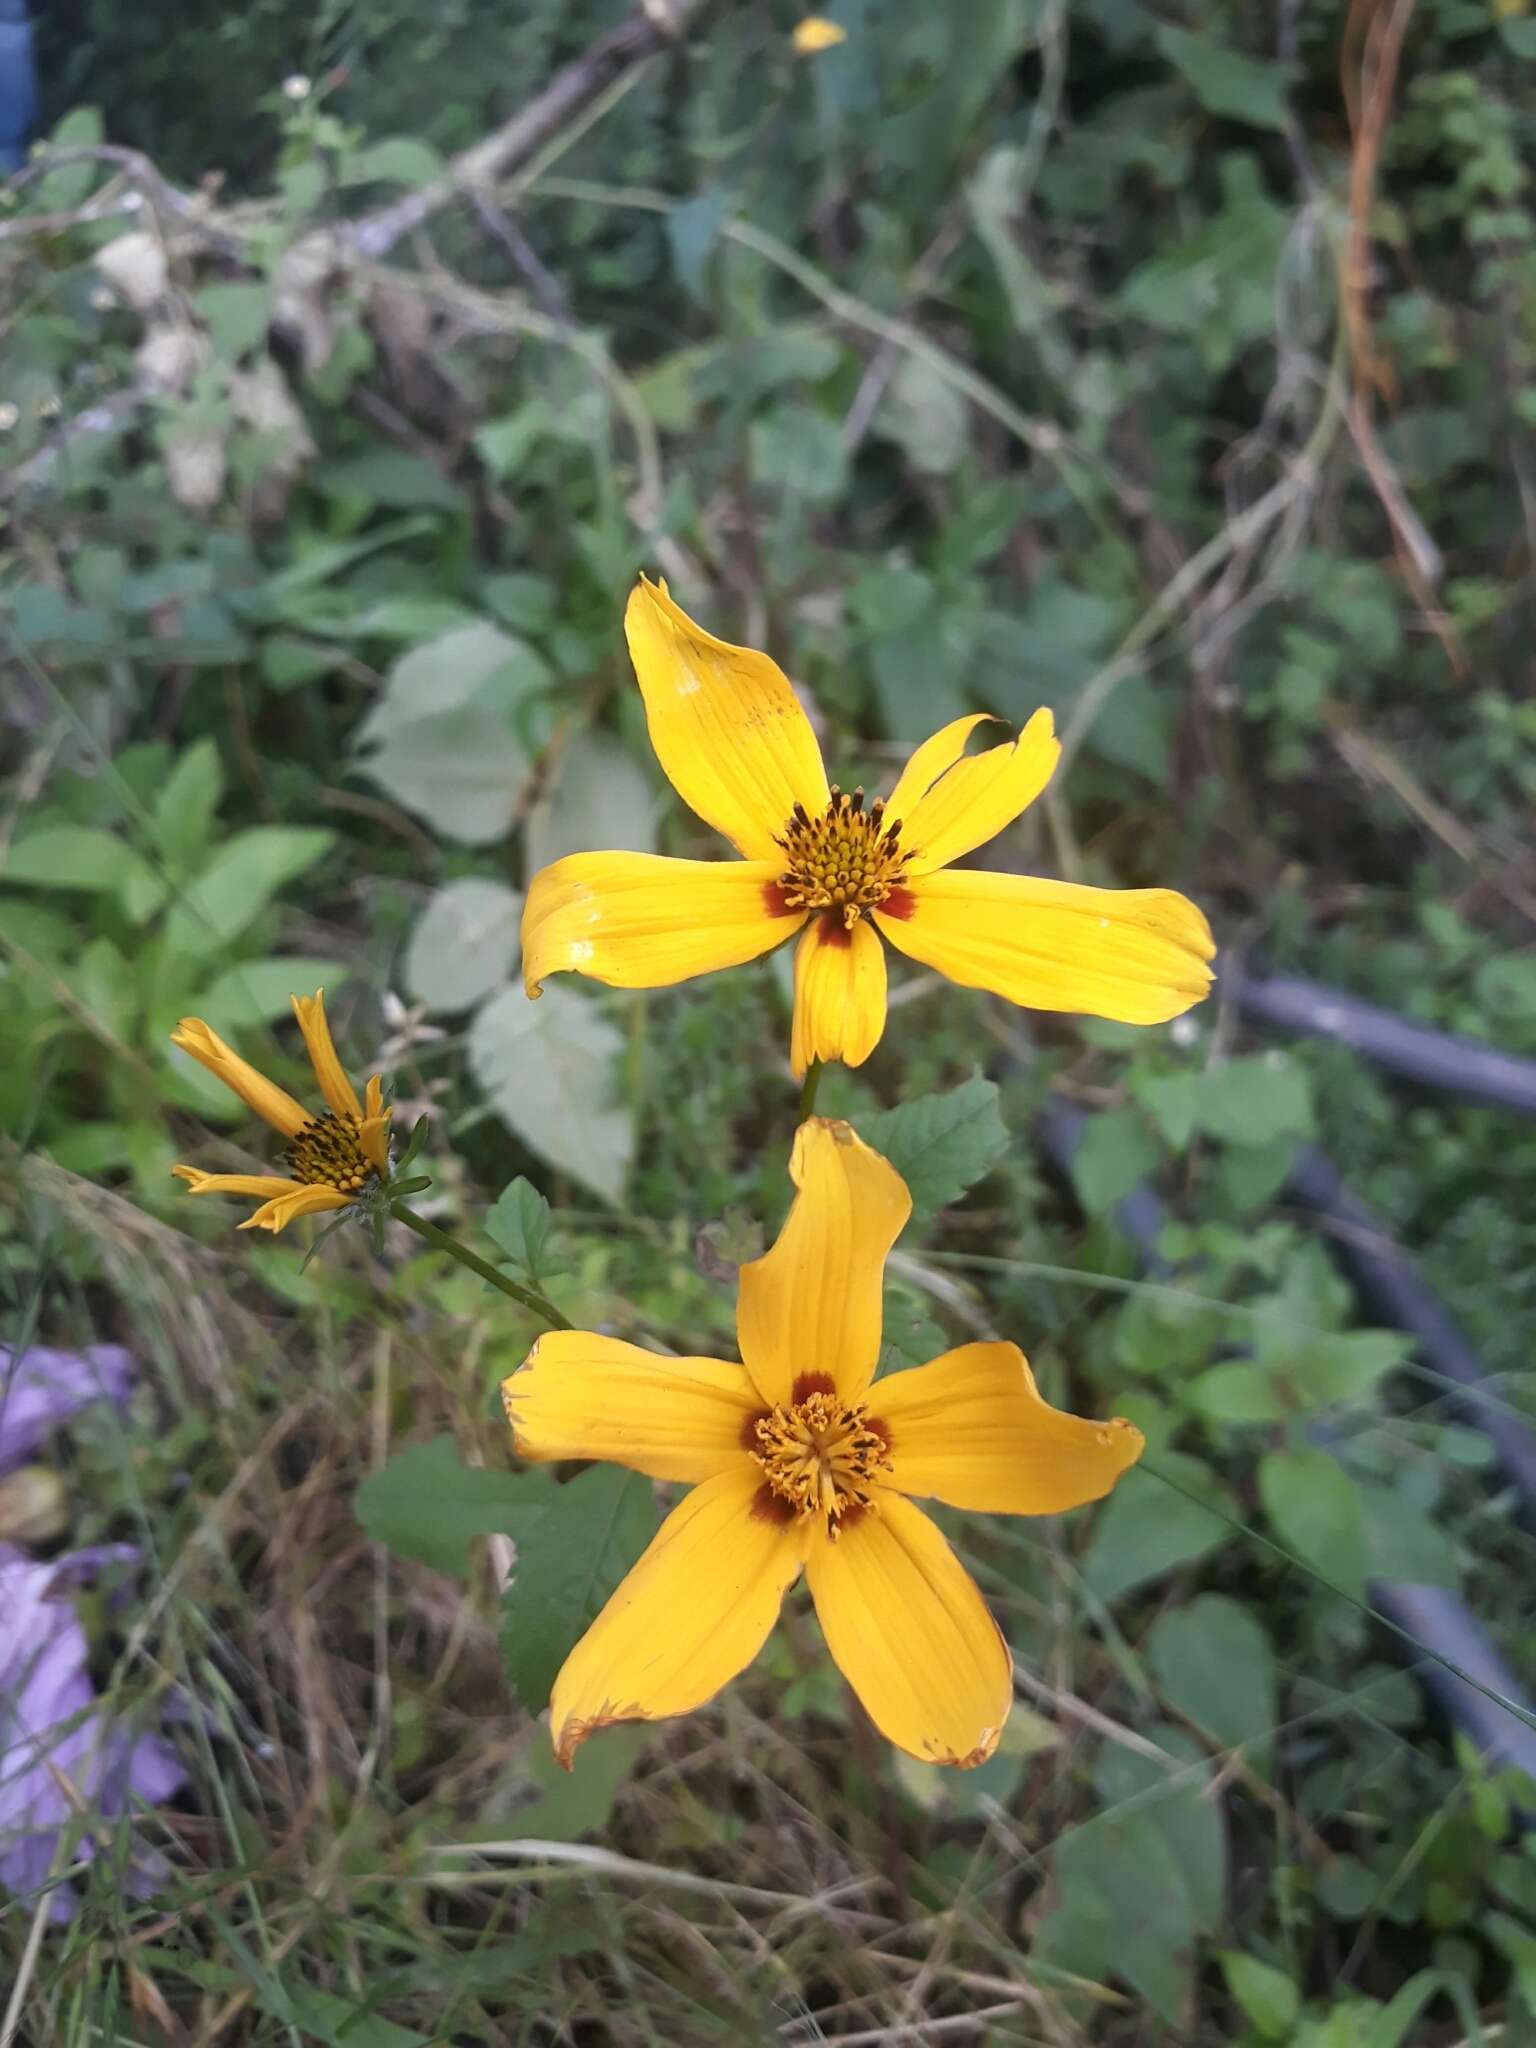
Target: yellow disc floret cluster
328, 1153
848, 859
820, 1454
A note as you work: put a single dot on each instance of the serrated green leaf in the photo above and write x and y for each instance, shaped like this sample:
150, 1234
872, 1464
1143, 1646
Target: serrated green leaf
941, 1144
518, 1220
594, 1530
426, 1503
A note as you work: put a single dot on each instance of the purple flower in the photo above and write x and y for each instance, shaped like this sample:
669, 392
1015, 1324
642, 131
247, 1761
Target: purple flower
41, 1388
60, 1755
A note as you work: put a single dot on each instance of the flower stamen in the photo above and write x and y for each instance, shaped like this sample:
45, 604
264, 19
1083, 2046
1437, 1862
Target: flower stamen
821, 1455
848, 860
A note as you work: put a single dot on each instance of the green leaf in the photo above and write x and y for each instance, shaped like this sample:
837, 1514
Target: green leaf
1121, 1907
1147, 1528
924, 414
594, 1530
518, 1220
1238, 1392
941, 1144
693, 234
397, 160
1402, 1541
1214, 1664
1224, 81
67, 857
236, 316
62, 191
426, 1503
548, 1070
258, 991
465, 944
1173, 1102
239, 882
1257, 1100
443, 734
1314, 1509
577, 1802
1268, 1999
1181, 1805
1116, 1152
602, 800
188, 799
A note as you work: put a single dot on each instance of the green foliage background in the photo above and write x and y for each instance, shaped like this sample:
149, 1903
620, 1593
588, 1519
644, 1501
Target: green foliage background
995, 357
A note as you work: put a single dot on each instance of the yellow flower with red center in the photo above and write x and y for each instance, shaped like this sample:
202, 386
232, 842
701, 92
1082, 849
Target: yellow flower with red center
797, 1462
334, 1160
734, 742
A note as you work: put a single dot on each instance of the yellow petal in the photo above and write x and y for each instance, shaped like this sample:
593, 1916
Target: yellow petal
694, 1612
639, 920
302, 1201
975, 798
1136, 955
972, 1430
373, 1131
811, 1305
340, 1095
814, 34
911, 1634
262, 1185
726, 725
275, 1104
582, 1396
929, 762
839, 994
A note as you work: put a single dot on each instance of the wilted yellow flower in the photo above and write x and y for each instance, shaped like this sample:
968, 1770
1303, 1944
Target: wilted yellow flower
797, 1463
816, 33
732, 739
333, 1159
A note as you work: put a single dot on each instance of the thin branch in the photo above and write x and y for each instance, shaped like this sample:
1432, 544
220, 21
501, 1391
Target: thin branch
496, 156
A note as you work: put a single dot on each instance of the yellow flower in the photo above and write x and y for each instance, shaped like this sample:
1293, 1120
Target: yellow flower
333, 1159
735, 744
816, 33
797, 1462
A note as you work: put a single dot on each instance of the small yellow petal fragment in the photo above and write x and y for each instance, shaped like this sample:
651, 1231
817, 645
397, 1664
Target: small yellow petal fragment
816, 33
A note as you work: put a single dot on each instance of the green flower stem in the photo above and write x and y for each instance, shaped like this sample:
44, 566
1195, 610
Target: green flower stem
528, 1296
808, 1092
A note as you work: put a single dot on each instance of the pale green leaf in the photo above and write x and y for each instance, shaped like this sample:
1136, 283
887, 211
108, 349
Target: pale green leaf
465, 944
548, 1069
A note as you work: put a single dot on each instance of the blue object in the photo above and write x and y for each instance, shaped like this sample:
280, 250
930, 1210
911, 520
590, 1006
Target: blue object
18, 84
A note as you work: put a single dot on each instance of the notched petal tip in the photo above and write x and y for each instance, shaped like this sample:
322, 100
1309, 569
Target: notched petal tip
571, 1734
983, 1753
